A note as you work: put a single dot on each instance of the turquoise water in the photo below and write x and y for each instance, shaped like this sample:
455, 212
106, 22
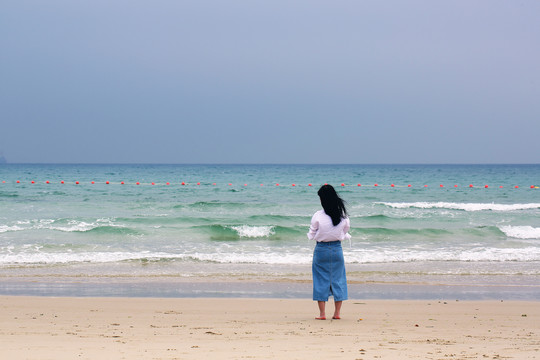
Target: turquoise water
235, 221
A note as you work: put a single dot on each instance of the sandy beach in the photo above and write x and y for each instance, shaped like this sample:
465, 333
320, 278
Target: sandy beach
225, 328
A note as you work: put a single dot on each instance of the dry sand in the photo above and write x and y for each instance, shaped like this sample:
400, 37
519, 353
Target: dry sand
146, 328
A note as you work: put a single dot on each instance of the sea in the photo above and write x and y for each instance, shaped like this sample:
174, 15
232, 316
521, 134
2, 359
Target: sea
418, 231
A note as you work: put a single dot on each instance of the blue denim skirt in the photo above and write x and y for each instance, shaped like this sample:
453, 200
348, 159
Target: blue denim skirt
329, 278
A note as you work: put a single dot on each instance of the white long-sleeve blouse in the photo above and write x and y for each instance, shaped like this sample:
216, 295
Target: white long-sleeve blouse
323, 230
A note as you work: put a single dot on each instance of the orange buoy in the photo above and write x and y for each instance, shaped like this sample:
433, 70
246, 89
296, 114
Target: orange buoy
106, 182
486, 186
18, 182
293, 184
183, 183
198, 183
168, 183
92, 182
516, 187
392, 185
359, 184
342, 184
121, 183
441, 185
409, 185
137, 183
61, 182
153, 183
46, 182
470, 185
376, 185
308, 184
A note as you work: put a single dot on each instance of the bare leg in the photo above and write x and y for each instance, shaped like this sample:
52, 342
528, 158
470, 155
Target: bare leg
322, 313
337, 311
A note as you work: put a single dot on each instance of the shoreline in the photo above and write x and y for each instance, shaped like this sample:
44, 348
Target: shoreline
194, 328
261, 287
407, 281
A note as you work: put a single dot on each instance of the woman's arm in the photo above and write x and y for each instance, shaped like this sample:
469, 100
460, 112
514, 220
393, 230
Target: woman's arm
346, 228
347, 225
313, 228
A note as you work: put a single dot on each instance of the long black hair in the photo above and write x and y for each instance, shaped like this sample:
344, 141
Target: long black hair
333, 205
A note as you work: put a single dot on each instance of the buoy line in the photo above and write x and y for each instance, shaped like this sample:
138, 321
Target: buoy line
183, 183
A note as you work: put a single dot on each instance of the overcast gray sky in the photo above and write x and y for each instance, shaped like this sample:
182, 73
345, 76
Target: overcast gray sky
177, 81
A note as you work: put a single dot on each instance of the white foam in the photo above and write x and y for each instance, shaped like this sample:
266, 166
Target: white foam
469, 255
273, 258
51, 224
35, 255
521, 232
38, 257
71, 257
73, 226
246, 231
365, 256
463, 206
5, 228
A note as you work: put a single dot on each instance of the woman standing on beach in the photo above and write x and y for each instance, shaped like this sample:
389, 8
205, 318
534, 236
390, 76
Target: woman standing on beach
329, 227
